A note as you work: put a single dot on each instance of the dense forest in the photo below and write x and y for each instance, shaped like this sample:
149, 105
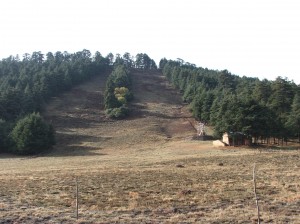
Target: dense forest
27, 84
260, 109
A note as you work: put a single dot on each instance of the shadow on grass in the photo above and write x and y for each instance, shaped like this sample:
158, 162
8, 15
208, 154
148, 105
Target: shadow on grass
74, 150
69, 144
264, 147
65, 122
203, 138
72, 144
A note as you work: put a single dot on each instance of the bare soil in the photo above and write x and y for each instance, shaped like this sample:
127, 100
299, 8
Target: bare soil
145, 169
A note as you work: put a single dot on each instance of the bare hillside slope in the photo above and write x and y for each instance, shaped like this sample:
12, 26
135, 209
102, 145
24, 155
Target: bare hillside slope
157, 115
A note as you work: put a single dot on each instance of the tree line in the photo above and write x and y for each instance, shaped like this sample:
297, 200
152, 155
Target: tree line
260, 109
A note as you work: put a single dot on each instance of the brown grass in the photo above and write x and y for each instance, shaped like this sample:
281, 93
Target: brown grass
128, 170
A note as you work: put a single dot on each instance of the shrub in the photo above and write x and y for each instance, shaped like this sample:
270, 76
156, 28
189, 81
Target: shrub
32, 135
118, 113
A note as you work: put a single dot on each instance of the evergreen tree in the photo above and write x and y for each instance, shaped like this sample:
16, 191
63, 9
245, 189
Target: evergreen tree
111, 100
293, 121
162, 63
128, 61
262, 91
32, 135
282, 96
4, 136
117, 92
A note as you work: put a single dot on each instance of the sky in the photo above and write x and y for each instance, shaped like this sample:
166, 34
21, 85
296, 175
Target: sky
257, 38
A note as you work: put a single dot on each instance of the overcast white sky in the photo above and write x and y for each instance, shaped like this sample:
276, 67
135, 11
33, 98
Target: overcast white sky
258, 38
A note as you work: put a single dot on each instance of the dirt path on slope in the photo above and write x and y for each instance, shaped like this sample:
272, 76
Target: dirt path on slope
158, 116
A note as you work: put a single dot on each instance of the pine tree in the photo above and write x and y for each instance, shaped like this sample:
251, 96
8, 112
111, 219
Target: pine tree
293, 122
32, 135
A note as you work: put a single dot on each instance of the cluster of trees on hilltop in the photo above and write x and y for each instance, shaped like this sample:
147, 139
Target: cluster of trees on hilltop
261, 109
140, 61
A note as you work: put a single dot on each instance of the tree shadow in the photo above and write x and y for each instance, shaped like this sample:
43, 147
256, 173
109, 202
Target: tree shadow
266, 147
74, 150
203, 138
72, 144
67, 144
62, 122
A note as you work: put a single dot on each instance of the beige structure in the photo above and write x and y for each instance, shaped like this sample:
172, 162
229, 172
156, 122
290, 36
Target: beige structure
236, 139
226, 138
218, 143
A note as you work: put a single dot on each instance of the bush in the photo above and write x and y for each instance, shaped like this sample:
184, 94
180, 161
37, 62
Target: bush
32, 135
118, 113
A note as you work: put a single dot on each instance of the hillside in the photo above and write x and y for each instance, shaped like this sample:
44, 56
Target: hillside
145, 169
157, 115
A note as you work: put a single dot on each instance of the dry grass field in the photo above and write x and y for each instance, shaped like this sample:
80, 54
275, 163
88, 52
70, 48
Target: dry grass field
145, 169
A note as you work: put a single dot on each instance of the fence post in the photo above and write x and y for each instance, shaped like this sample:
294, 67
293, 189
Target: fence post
77, 200
255, 194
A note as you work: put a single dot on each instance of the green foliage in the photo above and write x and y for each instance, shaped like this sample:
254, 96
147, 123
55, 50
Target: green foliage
128, 60
282, 96
162, 63
117, 93
32, 135
293, 119
123, 94
262, 91
140, 61
237, 104
143, 61
110, 100
5, 141
118, 113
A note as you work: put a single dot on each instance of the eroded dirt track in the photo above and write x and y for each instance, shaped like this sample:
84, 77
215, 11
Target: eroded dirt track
145, 169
